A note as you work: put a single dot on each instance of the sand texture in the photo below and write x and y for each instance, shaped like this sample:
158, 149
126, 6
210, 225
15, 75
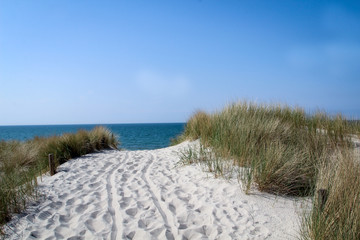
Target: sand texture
142, 195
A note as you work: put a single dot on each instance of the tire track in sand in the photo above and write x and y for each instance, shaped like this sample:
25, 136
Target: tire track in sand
113, 206
150, 186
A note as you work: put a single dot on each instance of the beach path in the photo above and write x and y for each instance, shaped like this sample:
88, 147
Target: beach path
143, 195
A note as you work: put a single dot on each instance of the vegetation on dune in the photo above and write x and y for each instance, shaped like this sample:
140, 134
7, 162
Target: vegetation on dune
285, 151
339, 217
22, 162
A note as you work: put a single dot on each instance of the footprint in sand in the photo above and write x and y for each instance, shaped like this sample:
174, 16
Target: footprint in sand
172, 208
30, 217
89, 225
142, 223
60, 231
70, 201
44, 215
182, 226
35, 234
155, 233
81, 208
94, 214
94, 185
63, 196
125, 202
130, 235
107, 218
93, 179
64, 218
131, 211
55, 205
75, 238
125, 177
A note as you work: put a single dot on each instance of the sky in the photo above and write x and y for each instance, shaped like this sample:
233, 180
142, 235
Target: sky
122, 61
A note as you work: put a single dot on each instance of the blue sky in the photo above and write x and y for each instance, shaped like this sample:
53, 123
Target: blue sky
68, 62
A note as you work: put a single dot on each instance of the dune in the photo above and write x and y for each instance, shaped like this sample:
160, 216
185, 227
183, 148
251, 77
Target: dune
143, 195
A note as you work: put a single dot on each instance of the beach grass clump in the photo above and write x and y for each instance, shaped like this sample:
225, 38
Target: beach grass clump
17, 185
339, 216
283, 150
198, 126
210, 160
280, 146
22, 162
69, 146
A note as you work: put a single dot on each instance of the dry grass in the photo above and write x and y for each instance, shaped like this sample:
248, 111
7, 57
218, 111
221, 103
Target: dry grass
22, 162
285, 151
281, 146
339, 218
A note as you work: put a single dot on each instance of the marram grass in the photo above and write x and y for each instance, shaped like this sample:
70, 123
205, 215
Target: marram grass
339, 218
22, 162
283, 150
282, 146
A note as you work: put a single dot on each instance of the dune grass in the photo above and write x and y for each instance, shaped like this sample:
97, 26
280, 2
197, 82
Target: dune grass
283, 150
22, 162
339, 218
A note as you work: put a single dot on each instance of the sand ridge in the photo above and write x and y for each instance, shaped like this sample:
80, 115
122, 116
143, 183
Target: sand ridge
142, 195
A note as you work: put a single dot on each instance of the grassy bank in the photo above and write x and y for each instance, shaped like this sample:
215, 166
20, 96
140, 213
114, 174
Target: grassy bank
285, 151
22, 162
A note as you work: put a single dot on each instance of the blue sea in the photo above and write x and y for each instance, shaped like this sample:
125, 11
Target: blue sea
132, 136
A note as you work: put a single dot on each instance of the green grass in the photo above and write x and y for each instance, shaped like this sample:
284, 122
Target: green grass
22, 162
284, 151
339, 218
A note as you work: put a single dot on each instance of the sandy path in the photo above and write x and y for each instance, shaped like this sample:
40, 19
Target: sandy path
141, 195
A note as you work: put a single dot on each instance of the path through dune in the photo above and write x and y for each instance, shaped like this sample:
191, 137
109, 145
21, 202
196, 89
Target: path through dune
142, 195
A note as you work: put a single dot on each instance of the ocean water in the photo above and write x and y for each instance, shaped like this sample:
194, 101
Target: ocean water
132, 136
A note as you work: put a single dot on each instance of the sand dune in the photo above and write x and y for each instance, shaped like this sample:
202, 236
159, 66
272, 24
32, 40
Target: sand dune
142, 195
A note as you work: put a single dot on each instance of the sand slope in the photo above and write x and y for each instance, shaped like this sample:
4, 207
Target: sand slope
141, 195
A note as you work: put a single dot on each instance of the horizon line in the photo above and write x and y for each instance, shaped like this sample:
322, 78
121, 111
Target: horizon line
72, 124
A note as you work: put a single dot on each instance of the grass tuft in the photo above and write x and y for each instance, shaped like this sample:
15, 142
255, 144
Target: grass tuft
22, 162
339, 218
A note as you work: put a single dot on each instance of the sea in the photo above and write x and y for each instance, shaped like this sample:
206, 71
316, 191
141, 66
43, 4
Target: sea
144, 136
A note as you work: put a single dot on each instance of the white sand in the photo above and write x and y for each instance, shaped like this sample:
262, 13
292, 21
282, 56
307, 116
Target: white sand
141, 195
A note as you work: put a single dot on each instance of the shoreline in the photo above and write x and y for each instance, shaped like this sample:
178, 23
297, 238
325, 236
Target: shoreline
142, 195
